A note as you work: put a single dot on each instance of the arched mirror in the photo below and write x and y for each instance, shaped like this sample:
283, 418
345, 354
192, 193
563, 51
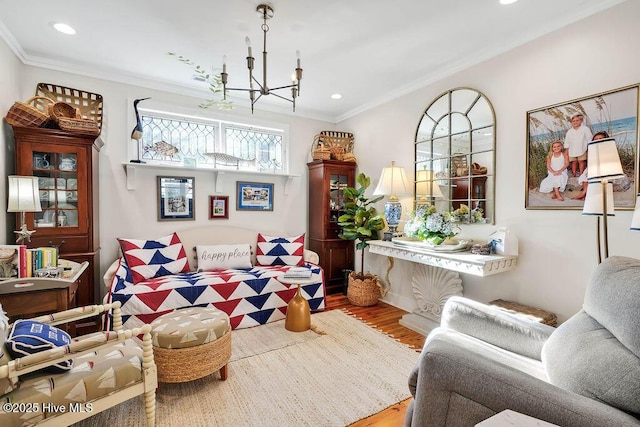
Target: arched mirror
455, 156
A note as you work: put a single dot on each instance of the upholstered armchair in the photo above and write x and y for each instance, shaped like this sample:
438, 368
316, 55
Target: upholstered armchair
107, 368
482, 360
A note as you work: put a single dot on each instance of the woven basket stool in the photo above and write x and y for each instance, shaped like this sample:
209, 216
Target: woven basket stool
191, 343
530, 313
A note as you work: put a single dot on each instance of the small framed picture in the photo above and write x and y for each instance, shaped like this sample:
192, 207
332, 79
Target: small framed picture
175, 198
218, 207
254, 196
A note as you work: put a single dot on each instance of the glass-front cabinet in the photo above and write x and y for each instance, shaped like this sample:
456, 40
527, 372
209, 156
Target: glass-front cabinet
58, 184
327, 181
66, 165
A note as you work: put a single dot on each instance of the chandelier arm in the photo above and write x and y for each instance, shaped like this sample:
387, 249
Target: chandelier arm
281, 97
284, 87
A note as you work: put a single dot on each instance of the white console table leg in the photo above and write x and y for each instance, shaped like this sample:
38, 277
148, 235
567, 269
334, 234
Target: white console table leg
432, 287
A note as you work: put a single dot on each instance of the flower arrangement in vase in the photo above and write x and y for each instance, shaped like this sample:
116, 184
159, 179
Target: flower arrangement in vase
430, 226
465, 215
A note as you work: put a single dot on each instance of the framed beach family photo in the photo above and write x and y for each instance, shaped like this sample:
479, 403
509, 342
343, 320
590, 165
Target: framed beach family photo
254, 196
175, 198
557, 137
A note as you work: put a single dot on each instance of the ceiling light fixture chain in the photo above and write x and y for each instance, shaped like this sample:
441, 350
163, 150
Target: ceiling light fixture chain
263, 88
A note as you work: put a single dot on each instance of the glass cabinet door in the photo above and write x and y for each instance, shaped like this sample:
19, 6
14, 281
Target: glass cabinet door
58, 184
337, 184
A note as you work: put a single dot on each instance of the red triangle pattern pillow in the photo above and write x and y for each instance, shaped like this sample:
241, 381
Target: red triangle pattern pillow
274, 250
154, 258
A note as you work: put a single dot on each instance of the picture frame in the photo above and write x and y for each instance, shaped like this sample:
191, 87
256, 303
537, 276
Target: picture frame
218, 207
614, 112
176, 201
254, 196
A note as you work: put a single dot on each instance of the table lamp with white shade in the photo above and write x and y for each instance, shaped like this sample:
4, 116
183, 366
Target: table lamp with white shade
24, 197
426, 188
593, 205
393, 183
603, 164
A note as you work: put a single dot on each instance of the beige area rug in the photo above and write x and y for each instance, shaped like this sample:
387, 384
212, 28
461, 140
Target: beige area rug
343, 372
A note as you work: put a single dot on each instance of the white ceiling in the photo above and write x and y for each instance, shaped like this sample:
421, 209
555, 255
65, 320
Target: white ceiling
370, 51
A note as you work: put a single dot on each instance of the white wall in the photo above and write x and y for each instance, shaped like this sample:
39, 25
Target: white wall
10, 89
557, 248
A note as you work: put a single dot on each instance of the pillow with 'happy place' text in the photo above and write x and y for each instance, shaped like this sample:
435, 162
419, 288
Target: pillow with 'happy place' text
273, 250
147, 259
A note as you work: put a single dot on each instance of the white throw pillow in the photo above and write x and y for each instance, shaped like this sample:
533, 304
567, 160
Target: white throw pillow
223, 257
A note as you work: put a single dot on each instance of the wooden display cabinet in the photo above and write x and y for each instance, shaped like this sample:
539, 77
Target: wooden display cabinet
66, 165
327, 179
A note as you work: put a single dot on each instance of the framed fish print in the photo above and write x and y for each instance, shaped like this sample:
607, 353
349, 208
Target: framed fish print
557, 155
254, 196
175, 198
218, 207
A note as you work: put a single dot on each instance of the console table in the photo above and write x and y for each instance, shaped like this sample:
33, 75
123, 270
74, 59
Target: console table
33, 296
436, 277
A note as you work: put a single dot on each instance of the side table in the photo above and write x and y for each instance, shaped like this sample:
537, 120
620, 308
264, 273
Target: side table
33, 296
298, 317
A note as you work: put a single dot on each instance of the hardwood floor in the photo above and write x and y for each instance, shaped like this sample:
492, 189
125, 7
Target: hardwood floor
385, 318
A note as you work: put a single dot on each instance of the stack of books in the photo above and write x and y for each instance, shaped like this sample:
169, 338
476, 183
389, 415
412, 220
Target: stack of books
16, 261
298, 272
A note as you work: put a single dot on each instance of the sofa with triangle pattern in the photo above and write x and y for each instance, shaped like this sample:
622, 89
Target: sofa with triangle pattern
251, 295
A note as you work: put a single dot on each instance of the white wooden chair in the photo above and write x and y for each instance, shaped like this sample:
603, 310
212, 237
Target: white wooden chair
91, 386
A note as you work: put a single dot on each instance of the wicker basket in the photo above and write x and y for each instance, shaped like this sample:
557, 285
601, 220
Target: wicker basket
89, 104
337, 153
363, 293
59, 110
187, 364
31, 113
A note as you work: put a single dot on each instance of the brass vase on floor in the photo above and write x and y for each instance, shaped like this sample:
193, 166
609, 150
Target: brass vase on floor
364, 290
298, 314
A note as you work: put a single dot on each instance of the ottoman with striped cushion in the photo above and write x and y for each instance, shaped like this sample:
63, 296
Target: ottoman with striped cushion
191, 343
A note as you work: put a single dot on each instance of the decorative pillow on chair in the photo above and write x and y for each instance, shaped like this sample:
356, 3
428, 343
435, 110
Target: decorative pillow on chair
280, 250
223, 257
30, 337
154, 258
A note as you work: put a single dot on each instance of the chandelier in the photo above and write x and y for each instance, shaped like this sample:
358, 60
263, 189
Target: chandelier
262, 88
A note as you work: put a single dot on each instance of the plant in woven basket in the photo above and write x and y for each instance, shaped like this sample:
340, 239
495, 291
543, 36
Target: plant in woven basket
360, 221
214, 80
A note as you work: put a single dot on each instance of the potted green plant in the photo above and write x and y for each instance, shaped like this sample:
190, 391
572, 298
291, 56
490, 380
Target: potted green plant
361, 223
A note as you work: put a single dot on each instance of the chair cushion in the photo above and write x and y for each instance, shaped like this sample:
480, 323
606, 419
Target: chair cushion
154, 258
612, 298
189, 327
223, 257
586, 358
31, 337
94, 375
273, 250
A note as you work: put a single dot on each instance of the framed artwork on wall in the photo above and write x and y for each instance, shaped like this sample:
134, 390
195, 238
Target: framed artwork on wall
568, 127
218, 207
254, 196
175, 198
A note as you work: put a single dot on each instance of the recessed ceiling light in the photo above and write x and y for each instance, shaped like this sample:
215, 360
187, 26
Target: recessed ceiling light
507, 1
336, 96
63, 28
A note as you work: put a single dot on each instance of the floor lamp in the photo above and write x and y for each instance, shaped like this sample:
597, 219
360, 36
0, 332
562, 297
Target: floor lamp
393, 183
635, 220
593, 205
24, 196
603, 164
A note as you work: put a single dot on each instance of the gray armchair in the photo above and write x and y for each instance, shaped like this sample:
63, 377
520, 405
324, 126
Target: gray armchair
481, 360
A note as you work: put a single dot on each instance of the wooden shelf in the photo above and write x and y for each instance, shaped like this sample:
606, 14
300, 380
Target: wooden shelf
220, 174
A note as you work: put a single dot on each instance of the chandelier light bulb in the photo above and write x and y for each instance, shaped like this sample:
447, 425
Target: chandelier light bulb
224, 63
247, 40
